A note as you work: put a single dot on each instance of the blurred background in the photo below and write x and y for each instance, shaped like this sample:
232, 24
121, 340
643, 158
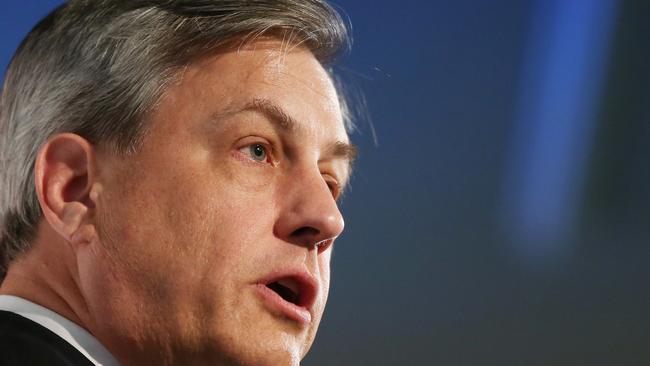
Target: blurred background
500, 209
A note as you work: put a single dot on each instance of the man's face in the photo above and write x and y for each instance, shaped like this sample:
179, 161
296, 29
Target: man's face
207, 236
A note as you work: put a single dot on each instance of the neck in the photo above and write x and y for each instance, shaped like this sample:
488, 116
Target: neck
44, 276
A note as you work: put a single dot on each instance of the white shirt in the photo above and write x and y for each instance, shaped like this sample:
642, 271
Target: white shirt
78, 337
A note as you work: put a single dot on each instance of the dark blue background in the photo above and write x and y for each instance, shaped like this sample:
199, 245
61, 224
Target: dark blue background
502, 216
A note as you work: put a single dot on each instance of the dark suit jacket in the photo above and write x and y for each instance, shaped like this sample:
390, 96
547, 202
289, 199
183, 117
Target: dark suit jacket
26, 343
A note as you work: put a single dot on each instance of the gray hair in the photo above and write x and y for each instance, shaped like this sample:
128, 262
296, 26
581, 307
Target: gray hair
98, 67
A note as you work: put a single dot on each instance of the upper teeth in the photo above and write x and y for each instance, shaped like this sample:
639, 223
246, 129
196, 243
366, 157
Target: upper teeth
290, 284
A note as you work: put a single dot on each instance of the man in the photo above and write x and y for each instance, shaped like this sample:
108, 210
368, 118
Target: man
170, 171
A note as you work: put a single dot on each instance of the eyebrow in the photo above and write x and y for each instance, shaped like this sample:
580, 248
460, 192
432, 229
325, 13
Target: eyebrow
338, 149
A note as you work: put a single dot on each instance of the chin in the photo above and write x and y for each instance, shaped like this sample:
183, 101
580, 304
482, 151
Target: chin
254, 356
249, 334
263, 346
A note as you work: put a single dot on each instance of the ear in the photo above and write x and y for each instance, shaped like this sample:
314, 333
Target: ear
65, 176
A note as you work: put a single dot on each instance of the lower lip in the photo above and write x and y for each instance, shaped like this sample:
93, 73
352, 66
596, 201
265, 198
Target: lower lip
277, 304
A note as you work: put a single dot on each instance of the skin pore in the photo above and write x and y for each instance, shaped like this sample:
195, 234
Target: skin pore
160, 254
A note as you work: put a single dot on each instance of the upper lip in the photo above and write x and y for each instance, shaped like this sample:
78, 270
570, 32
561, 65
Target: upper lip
299, 281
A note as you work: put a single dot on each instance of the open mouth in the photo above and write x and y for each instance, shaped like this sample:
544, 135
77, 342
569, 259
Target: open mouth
291, 294
296, 288
288, 291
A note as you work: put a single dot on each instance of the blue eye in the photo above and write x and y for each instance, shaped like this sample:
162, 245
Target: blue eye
258, 152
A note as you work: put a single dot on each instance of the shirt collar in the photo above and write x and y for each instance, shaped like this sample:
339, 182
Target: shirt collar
72, 333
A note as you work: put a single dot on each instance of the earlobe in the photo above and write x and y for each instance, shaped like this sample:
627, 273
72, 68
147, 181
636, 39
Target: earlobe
64, 175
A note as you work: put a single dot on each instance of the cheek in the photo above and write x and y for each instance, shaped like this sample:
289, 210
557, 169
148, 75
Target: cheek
152, 228
324, 261
204, 219
324, 271
252, 180
199, 223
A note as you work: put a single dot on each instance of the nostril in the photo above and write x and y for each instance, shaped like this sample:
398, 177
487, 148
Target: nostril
306, 235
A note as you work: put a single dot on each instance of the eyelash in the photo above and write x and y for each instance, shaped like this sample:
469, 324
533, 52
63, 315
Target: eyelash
332, 184
268, 152
334, 187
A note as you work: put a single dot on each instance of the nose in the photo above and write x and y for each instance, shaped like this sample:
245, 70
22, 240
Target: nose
309, 214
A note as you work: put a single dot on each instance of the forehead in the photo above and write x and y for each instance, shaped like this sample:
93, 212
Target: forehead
289, 76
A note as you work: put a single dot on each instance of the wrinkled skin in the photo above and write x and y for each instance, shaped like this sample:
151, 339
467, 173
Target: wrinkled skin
189, 224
